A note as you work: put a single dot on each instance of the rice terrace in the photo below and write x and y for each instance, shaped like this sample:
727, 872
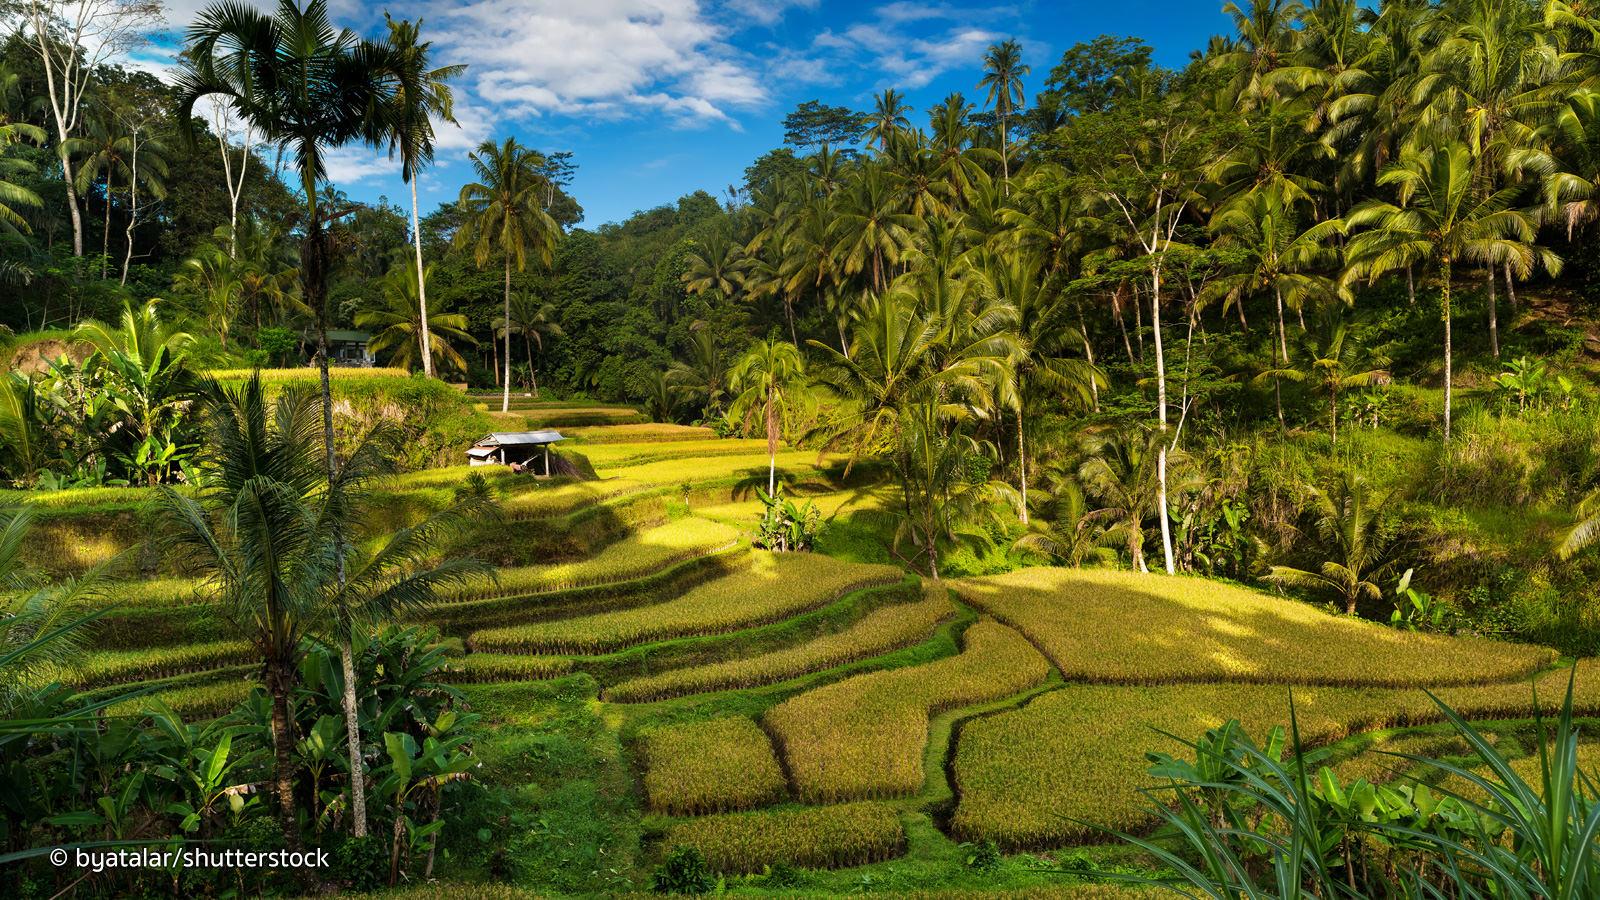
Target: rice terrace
1085, 450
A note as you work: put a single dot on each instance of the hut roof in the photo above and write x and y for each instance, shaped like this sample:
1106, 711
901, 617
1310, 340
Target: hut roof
519, 438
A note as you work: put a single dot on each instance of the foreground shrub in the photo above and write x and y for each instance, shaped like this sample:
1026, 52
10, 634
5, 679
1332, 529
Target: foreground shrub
864, 736
853, 834
704, 767
1071, 761
1260, 824
880, 631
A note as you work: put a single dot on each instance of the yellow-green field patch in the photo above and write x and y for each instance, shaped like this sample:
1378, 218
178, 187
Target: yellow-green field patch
775, 586
877, 632
826, 837
864, 736
719, 765
1131, 628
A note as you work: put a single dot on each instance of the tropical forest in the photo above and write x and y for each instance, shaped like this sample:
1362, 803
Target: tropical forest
1132, 472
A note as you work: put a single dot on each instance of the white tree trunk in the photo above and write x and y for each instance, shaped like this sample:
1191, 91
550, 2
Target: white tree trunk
422, 285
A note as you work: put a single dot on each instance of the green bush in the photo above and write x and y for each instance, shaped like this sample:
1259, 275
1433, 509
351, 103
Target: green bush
683, 872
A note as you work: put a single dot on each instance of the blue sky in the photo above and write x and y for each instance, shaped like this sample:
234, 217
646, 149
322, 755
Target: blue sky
657, 98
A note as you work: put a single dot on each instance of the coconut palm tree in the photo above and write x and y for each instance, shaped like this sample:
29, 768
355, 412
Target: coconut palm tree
715, 263
1003, 70
504, 216
1441, 219
888, 117
422, 93
102, 156
263, 530
870, 232
214, 276
306, 86
1354, 527
766, 381
13, 195
1333, 362
1121, 471
535, 320
1041, 336
398, 325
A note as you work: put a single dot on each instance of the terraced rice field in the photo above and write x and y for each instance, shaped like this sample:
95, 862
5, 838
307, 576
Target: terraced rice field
809, 711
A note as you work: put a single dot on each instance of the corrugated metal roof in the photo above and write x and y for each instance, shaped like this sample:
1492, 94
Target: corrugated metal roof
519, 438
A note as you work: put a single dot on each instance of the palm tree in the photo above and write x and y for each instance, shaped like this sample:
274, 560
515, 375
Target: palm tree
1041, 336
1441, 219
504, 215
1122, 471
870, 230
704, 375
397, 326
264, 528
306, 86
13, 195
766, 380
716, 263
1354, 527
214, 276
103, 156
1333, 362
1003, 71
535, 320
422, 92
888, 118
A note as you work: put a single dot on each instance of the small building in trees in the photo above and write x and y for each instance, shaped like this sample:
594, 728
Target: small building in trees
347, 347
522, 450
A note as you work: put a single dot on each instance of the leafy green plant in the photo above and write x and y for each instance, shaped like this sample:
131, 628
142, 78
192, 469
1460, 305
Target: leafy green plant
684, 871
785, 527
1416, 610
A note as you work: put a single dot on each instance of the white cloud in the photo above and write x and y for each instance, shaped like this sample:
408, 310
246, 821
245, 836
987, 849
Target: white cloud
766, 12
896, 44
348, 165
600, 59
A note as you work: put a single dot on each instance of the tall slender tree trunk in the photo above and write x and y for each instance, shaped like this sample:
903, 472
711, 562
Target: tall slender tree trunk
1444, 312
1138, 322
133, 208
105, 230
1088, 352
1005, 156
1283, 360
1122, 322
72, 201
1161, 405
314, 261
1022, 461
283, 752
505, 389
1494, 319
422, 285
1511, 289
1411, 285
772, 444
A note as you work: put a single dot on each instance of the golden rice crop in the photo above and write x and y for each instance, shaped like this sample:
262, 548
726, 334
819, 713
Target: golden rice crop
676, 472
719, 765
1078, 752
864, 736
879, 631
851, 834
197, 702
632, 557
775, 586
308, 375
495, 667
609, 455
653, 431
1130, 628
119, 666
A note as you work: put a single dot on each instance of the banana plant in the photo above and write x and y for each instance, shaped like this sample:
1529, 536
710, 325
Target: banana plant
415, 773
320, 750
